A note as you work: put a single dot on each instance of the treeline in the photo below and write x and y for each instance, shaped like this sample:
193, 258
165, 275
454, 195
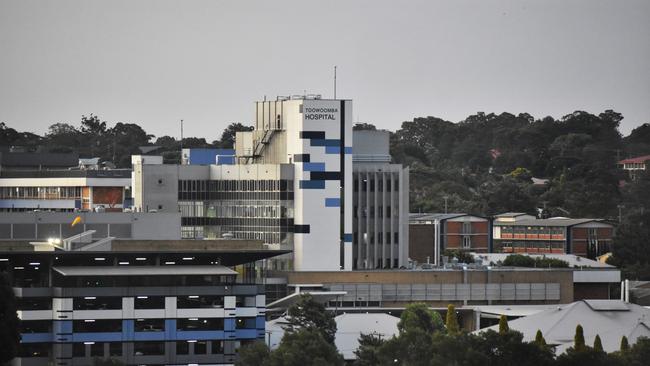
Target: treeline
114, 145
485, 164
424, 340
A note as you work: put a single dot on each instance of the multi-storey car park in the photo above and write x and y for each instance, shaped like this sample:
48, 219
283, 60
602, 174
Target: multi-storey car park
140, 302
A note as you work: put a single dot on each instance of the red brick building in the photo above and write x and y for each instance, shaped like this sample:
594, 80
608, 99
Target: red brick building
583, 237
431, 234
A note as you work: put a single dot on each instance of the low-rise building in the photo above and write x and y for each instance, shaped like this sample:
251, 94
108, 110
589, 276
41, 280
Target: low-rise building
151, 302
635, 165
583, 237
431, 234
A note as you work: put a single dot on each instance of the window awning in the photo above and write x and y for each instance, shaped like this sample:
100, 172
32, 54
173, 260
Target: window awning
166, 270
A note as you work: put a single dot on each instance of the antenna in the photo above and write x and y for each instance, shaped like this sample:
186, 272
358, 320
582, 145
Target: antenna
181, 162
334, 81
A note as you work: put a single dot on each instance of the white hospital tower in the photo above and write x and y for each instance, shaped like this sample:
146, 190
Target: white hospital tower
301, 180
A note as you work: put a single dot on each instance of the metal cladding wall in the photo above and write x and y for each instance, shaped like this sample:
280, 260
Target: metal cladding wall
319, 138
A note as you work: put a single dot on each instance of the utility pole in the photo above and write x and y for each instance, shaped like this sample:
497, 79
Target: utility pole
334, 81
620, 213
445, 198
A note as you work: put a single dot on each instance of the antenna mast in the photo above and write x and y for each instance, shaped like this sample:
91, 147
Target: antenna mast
181, 162
334, 81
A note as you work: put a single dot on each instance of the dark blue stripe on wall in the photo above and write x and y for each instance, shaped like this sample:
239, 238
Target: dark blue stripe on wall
301, 229
325, 175
348, 149
312, 184
312, 134
313, 167
325, 142
347, 238
332, 202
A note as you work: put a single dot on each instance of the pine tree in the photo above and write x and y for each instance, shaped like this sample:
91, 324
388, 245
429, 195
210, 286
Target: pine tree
598, 345
452, 322
579, 339
625, 346
539, 339
503, 325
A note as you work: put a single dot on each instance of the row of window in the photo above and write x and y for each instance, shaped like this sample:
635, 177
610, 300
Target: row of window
262, 185
139, 302
42, 193
116, 349
368, 185
142, 325
370, 212
550, 230
369, 238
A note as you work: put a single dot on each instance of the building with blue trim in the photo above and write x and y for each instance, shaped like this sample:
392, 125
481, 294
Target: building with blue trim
140, 302
293, 186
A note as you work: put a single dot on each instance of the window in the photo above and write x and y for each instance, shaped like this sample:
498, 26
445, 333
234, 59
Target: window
182, 348
195, 302
217, 347
149, 348
34, 349
467, 241
192, 324
115, 349
201, 347
97, 349
149, 302
149, 325
78, 350
97, 303
245, 323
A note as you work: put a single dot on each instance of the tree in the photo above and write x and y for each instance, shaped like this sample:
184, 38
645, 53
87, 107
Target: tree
579, 339
503, 325
419, 316
228, 136
254, 354
9, 322
368, 352
630, 246
598, 344
539, 339
306, 313
364, 126
625, 346
451, 322
305, 347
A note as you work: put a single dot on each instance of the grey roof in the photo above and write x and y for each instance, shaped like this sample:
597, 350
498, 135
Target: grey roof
610, 319
414, 217
127, 270
512, 214
549, 222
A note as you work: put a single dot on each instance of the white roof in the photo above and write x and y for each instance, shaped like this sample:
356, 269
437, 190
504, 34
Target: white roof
127, 270
348, 330
610, 319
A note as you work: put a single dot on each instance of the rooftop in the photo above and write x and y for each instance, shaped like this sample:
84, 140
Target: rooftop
414, 217
638, 159
611, 319
565, 222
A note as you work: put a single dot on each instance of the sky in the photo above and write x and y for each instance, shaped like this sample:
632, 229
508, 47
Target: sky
159, 61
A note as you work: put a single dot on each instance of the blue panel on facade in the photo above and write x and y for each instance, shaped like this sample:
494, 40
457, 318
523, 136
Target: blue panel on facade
246, 333
312, 184
260, 323
348, 149
150, 336
200, 335
35, 337
325, 142
62, 326
347, 238
313, 167
332, 202
97, 337
229, 324
332, 149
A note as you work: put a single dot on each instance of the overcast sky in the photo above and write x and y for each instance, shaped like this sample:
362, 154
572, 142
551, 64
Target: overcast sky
156, 62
